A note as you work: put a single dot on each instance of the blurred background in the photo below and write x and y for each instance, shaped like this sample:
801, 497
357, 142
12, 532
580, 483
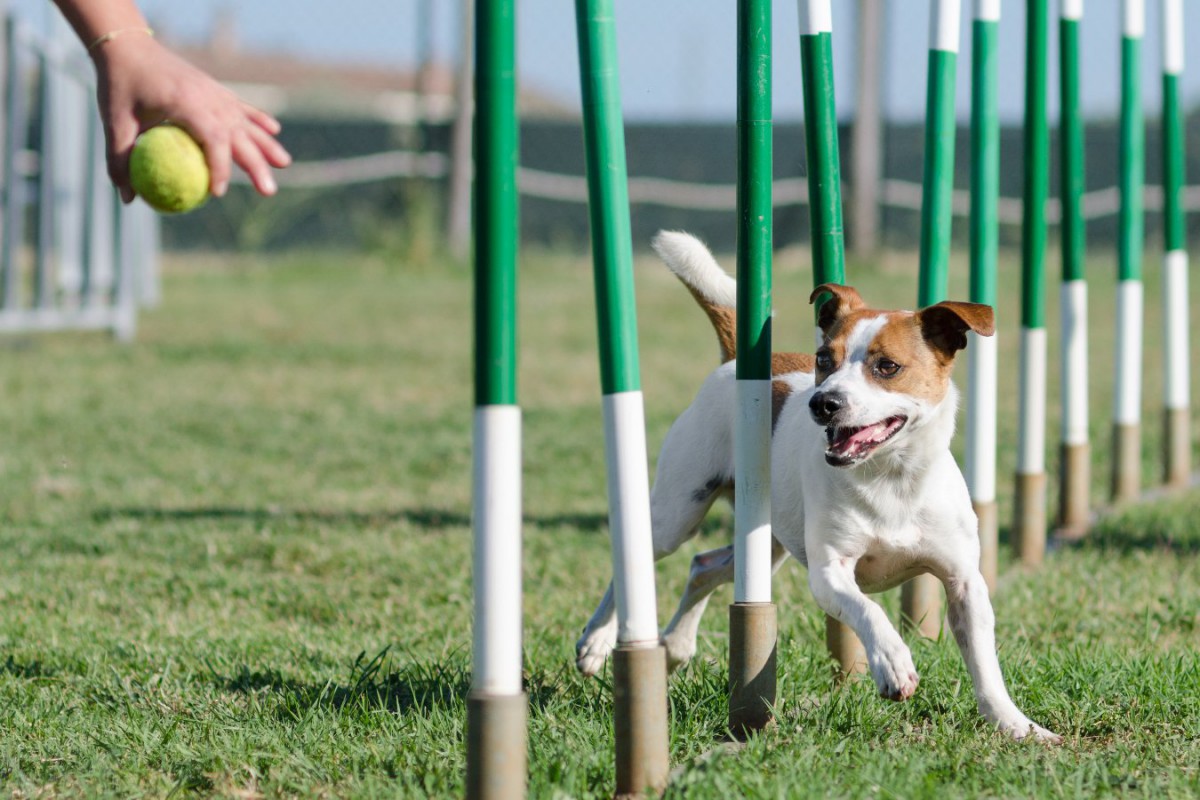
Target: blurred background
375, 97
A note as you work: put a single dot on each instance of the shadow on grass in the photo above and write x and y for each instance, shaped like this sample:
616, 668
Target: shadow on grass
425, 688
432, 519
413, 688
32, 670
1170, 524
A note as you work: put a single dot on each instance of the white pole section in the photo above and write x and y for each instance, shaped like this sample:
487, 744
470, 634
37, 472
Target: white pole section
629, 516
497, 555
980, 457
1074, 359
1031, 450
752, 509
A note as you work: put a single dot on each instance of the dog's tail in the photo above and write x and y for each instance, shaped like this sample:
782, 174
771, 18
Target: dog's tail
713, 289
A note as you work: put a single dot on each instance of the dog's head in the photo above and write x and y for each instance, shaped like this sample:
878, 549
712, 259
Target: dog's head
881, 374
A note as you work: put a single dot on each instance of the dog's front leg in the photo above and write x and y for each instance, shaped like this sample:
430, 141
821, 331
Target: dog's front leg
973, 623
891, 663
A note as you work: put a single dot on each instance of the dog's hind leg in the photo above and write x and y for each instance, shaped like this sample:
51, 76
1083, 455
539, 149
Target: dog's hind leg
674, 520
710, 570
694, 469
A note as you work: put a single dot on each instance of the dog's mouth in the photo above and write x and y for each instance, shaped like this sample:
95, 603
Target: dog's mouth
849, 445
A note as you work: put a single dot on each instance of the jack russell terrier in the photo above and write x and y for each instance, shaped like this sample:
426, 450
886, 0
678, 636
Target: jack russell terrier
864, 490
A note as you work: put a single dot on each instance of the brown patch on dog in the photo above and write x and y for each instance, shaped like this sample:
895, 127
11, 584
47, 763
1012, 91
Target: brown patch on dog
945, 325
785, 364
724, 322
924, 369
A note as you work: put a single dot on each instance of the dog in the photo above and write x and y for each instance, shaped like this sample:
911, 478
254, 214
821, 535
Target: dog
864, 490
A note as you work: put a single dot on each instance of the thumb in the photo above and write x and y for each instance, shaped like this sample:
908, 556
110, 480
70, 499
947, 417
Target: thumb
119, 134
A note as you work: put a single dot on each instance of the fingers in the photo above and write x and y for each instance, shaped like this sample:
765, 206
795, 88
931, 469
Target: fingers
262, 119
251, 158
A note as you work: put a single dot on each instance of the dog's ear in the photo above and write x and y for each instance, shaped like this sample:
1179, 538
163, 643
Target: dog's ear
842, 300
945, 324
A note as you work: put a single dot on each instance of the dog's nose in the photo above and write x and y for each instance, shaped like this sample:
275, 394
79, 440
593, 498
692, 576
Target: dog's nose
824, 405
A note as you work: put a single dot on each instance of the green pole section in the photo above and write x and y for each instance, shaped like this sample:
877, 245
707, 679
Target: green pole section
1071, 131
754, 191
1037, 163
1132, 158
1174, 166
985, 162
824, 169
938, 178
496, 226
608, 196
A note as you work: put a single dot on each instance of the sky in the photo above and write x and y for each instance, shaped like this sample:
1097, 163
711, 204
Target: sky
677, 57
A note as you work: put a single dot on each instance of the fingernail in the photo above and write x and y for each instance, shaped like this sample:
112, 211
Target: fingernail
219, 189
126, 195
268, 185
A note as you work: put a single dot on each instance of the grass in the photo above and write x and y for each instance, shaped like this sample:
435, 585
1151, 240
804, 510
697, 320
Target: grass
237, 561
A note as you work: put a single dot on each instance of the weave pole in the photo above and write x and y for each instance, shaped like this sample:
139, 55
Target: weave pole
639, 661
496, 705
752, 615
825, 212
920, 598
1177, 438
980, 451
1029, 519
1127, 405
1075, 449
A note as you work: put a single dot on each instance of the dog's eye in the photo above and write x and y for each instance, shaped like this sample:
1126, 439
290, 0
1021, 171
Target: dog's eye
824, 361
886, 368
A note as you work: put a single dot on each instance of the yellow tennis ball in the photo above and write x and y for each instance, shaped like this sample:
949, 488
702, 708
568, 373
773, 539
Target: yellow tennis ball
167, 169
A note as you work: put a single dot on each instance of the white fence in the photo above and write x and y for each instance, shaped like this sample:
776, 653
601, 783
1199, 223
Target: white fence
71, 255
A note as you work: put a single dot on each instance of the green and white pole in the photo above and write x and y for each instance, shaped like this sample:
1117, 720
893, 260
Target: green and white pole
1127, 406
1029, 521
921, 598
1075, 451
496, 705
1177, 440
825, 212
752, 616
980, 451
639, 662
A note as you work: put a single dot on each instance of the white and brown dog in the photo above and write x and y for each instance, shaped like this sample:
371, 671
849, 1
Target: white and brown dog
864, 489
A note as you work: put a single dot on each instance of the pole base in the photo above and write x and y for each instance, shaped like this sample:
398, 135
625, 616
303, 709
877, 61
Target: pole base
845, 648
640, 719
1074, 489
496, 746
989, 541
752, 650
1126, 463
1177, 447
921, 606
1029, 519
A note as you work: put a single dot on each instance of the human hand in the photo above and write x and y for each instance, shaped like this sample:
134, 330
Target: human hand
142, 83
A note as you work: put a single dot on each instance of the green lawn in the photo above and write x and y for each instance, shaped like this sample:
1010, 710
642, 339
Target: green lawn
237, 560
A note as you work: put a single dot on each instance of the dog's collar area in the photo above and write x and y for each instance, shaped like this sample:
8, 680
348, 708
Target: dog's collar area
849, 445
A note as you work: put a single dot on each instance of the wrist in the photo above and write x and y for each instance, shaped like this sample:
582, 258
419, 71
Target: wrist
119, 41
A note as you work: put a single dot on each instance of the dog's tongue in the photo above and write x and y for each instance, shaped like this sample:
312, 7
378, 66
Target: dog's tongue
849, 441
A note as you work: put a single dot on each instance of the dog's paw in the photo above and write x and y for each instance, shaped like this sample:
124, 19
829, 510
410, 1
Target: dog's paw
593, 649
894, 672
680, 650
1025, 728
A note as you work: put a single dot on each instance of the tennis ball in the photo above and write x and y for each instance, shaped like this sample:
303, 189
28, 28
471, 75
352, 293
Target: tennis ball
167, 169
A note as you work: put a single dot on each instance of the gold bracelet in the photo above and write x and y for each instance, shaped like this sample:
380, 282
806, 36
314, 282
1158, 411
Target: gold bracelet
108, 37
